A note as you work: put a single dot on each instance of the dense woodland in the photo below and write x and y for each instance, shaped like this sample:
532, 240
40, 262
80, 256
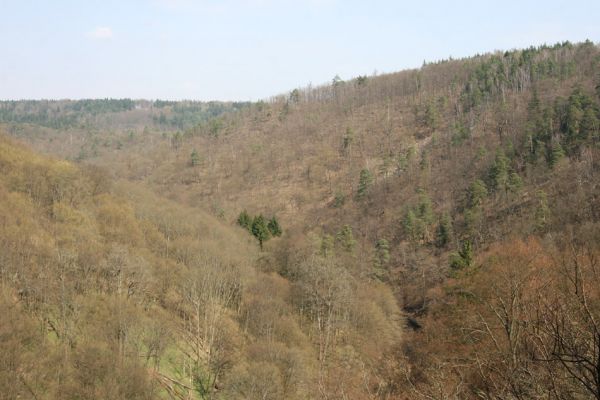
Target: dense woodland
428, 234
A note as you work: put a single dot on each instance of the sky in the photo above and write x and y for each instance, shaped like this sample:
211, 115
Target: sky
253, 49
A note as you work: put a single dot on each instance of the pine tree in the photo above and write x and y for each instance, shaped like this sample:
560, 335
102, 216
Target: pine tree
499, 172
382, 249
364, 182
194, 158
425, 209
579, 121
424, 163
274, 227
444, 232
260, 230
537, 148
411, 225
572, 126
477, 192
590, 125
431, 115
327, 244
556, 154
542, 211
294, 96
464, 257
466, 252
515, 183
473, 222
345, 238
245, 221
425, 217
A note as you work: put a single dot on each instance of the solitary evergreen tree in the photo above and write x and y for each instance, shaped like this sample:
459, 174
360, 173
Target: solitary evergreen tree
260, 230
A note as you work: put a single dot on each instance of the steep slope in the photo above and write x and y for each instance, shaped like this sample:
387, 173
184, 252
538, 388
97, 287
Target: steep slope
467, 187
108, 291
391, 155
425, 170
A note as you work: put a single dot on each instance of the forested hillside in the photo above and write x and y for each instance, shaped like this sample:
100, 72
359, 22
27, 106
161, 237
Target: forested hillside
108, 291
432, 233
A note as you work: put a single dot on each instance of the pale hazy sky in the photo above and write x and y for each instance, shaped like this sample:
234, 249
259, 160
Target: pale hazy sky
251, 49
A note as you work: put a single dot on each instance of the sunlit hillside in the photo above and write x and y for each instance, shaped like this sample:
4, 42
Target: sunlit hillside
109, 291
432, 234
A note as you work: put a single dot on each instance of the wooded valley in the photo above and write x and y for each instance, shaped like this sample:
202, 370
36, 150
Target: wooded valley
427, 234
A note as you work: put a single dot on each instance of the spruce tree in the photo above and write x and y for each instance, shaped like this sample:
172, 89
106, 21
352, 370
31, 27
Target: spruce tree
260, 230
